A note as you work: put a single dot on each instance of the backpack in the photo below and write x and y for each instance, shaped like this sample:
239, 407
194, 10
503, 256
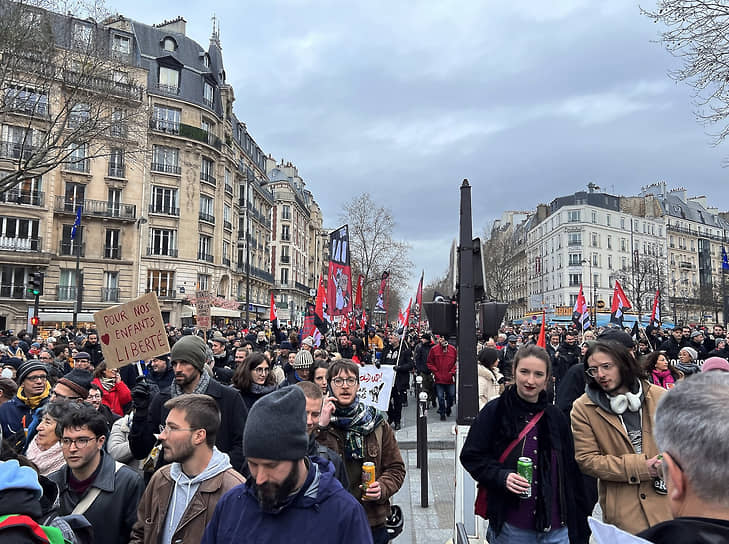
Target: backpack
18, 526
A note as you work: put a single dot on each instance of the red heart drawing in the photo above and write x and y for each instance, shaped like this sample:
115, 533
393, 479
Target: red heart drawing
105, 338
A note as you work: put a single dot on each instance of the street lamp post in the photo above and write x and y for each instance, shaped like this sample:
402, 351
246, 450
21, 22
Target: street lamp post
592, 294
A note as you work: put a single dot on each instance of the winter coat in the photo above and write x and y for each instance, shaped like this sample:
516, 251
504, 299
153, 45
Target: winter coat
389, 466
152, 510
421, 357
571, 388
94, 351
671, 347
565, 356
488, 438
686, 529
118, 443
114, 511
402, 364
443, 364
322, 511
603, 450
488, 385
12, 414
506, 358
316, 449
162, 379
229, 440
116, 398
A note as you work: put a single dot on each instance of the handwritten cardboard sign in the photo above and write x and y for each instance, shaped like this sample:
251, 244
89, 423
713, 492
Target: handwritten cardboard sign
202, 309
132, 332
375, 385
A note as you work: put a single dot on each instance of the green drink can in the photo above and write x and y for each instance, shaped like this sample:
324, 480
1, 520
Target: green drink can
525, 469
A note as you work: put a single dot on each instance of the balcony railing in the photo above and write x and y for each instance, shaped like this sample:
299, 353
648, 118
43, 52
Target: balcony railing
71, 248
256, 272
66, 292
104, 85
16, 150
14, 291
110, 294
229, 188
208, 178
163, 293
20, 244
168, 89
227, 225
695, 232
112, 252
205, 257
163, 125
78, 165
117, 171
209, 102
207, 217
285, 259
29, 198
97, 208
166, 168
28, 106
226, 261
574, 242
166, 210
301, 286
161, 252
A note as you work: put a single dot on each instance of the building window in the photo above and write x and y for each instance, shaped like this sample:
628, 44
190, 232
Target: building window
575, 259
77, 159
112, 249
167, 119
18, 234
121, 44
169, 44
204, 248
285, 233
161, 282
164, 200
163, 242
610, 262
623, 244
73, 246
286, 212
574, 238
208, 94
203, 282
166, 159
110, 291
116, 163
207, 168
82, 34
284, 276
79, 115
26, 100
67, 284
594, 217
227, 212
118, 128
609, 242
169, 80
575, 280
573, 216
207, 210
594, 240
285, 258
607, 220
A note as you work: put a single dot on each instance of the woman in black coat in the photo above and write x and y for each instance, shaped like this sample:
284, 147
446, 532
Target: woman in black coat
253, 378
556, 488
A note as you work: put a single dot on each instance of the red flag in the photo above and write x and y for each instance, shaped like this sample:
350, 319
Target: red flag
656, 313
274, 312
542, 338
419, 299
400, 319
358, 295
581, 313
321, 296
619, 305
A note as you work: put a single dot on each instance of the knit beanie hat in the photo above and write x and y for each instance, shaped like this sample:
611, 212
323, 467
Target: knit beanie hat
13, 476
715, 363
303, 360
82, 356
190, 349
691, 351
79, 381
15, 362
276, 426
28, 367
308, 341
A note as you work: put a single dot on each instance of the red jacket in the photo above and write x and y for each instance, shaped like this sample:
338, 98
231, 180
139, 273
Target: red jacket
118, 397
443, 363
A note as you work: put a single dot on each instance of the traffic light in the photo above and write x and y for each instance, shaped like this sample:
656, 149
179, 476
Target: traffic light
35, 284
35, 321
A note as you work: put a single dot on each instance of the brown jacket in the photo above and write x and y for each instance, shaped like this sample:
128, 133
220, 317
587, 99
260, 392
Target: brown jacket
603, 450
389, 467
152, 509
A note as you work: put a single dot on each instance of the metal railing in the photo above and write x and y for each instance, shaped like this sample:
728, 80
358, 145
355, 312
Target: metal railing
163, 293
226, 261
112, 252
161, 252
285, 259
16, 150
166, 210
227, 225
117, 171
28, 106
71, 248
66, 292
98, 208
206, 217
205, 257
79, 165
208, 178
229, 188
20, 244
166, 168
163, 125
131, 91
110, 294
168, 89
29, 198
14, 291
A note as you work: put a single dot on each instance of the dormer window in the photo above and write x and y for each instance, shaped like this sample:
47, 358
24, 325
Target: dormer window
169, 44
206, 60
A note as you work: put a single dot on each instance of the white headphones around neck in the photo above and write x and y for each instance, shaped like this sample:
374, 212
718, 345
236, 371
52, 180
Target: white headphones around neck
629, 401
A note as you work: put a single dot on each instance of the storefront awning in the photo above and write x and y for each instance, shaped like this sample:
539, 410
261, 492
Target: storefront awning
61, 315
191, 311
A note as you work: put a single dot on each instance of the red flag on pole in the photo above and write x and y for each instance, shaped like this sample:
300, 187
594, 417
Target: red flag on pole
619, 305
358, 295
274, 312
656, 313
542, 338
321, 296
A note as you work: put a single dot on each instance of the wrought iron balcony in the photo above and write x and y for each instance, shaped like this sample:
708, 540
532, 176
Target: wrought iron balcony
117, 171
71, 248
205, 257
110, 294
19, 196
20, 244
166, 210
16, 150
97, 208
163, 293
161, 252
166, 168
66, 292
112, 252
207, 217
208, 178
14, 291
164, 125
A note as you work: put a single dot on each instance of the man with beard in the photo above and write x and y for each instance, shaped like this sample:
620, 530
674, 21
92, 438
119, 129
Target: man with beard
222, 361
93, 348
179, 500
567, 354
289, 496
188, 357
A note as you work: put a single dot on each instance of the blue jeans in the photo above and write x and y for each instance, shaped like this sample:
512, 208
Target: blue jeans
379, 535
446, 396
513, 535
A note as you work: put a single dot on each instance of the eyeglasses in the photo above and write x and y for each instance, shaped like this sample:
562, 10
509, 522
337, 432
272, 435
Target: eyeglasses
55, 395
94, 397
605, 367
339, 382
663, 469
167, 429
80, 443
36, 378
262, 370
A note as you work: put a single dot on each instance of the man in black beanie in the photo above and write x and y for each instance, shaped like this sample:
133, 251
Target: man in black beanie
288, 494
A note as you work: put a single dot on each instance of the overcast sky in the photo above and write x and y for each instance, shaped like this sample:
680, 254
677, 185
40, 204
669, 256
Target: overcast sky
528, 99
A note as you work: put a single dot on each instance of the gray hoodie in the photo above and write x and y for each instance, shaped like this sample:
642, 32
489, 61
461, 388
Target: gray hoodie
185, 489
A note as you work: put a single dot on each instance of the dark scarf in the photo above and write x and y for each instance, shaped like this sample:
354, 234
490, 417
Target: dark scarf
201, 387
357, 420
259, 390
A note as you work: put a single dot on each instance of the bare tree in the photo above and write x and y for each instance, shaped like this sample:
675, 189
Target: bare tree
697, 34
67, 93
642, 280
497, 255
375, 250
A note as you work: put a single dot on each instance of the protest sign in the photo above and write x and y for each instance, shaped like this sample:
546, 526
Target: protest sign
375, 385
131, 332
202, 309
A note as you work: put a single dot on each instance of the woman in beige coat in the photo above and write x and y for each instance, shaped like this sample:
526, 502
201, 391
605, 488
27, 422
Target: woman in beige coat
489, 378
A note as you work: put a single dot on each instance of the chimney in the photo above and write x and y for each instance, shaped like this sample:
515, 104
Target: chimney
176, 25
